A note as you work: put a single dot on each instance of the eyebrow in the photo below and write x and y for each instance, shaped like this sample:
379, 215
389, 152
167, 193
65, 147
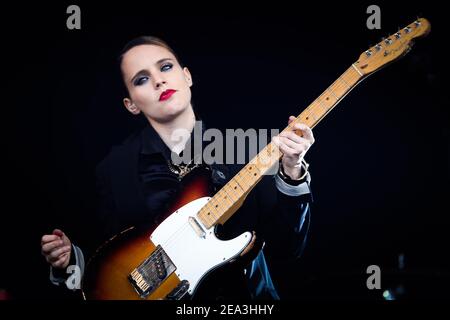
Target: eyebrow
145, 72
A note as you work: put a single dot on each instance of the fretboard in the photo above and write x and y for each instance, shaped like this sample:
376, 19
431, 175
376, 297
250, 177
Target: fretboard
228, 199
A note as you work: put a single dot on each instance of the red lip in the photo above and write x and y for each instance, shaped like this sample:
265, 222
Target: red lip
166, 94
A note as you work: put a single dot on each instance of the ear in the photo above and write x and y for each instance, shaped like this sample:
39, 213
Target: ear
131, 106
187, 76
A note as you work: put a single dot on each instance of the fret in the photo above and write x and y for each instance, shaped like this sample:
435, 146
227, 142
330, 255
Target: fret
234, 196
322, 105
215, 205
245, 176
342, 79
332, 92
242, 179
205, 215
313, 116
309, 116
235, 185
357, 70
255, 174
347, 77
226, 197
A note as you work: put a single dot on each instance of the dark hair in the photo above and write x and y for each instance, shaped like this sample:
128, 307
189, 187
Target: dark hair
146, 40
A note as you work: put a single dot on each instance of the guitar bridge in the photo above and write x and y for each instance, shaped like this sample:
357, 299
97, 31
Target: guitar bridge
149, 275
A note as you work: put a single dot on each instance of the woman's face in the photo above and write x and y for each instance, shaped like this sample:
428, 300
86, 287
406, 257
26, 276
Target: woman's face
150, 73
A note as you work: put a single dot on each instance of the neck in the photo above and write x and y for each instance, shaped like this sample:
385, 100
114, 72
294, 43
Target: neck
176, 132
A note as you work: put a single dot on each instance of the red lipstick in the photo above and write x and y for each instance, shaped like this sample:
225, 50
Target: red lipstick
166, 94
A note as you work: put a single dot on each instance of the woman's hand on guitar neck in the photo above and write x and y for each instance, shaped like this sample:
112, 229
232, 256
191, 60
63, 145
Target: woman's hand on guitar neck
56, 248
294, 147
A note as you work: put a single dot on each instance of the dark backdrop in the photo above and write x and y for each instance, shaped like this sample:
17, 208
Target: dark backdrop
380, 164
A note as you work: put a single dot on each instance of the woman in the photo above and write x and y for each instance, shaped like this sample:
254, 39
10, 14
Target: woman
136, 180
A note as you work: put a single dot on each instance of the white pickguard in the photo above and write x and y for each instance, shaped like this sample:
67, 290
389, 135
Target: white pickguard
193, 255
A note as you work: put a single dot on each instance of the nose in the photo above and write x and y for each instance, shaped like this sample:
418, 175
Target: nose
158, 81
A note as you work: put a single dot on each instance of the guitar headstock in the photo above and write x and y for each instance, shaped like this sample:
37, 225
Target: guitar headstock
393, 47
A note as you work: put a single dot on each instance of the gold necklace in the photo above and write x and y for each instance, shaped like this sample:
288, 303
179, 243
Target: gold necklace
182, 170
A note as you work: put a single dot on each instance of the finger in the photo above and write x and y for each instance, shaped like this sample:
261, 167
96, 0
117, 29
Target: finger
48, 238
58, 233
293, 136
48, 247
282, 144
54, 257
291, 119
61, 261
56, 253
297, 148
286, 150
276, 140
306, 131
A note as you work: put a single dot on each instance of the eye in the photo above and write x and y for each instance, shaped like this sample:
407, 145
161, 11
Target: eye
166, 67
140, 81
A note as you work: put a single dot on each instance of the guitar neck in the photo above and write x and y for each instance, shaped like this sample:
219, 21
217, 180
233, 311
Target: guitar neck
320, 107
228, 199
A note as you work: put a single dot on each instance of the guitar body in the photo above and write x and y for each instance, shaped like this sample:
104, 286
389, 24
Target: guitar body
167, 261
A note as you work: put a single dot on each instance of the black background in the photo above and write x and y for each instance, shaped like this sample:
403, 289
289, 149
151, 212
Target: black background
380, 164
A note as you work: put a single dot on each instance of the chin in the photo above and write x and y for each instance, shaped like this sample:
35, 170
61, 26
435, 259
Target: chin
171, 112
174, 109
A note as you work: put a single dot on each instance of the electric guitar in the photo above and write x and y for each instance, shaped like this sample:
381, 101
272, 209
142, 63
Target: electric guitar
169, 260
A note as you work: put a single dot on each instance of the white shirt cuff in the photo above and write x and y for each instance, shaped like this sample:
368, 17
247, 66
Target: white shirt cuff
290, 190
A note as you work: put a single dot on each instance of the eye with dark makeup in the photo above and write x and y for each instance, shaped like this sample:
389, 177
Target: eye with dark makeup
166, 67
143, 79
140, 80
